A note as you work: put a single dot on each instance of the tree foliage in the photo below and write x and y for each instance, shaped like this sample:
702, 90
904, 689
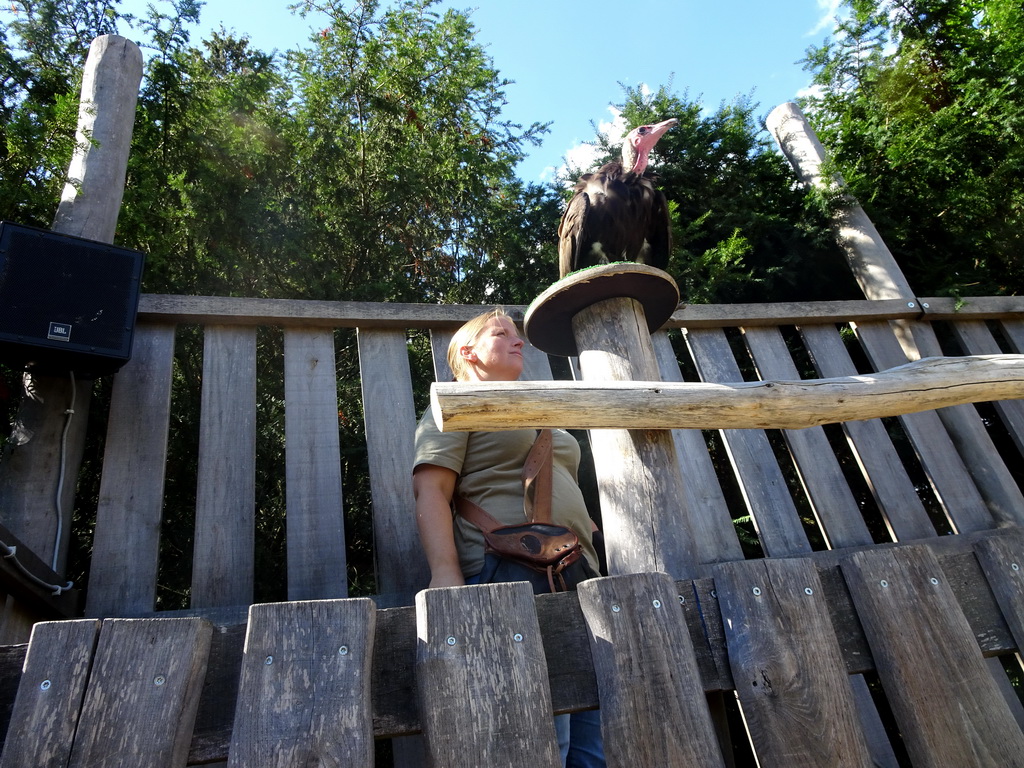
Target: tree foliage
921, 107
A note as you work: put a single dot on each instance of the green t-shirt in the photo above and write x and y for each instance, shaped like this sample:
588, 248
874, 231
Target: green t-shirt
489, 466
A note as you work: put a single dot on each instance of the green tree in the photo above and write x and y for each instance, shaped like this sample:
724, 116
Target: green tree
921, 108
742, 229
401, 155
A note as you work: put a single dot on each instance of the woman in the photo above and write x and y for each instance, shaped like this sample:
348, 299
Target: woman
486, 467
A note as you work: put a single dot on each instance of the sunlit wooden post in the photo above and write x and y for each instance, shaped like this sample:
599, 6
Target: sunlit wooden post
606, 315
49, 441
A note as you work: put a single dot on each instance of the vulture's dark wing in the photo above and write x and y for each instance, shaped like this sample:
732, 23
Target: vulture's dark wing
659, 233
570, 232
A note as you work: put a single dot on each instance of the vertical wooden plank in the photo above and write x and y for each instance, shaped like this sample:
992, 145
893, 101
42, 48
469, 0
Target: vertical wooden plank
1014, 330
946, 471
390, 420
53, 684
140, 706
315, 521
976, 339
536, 366
1002, 560
757, 472
833, 502
714, 532
482, 678
653, 710
304, 690
126, 542
948, 707
967, 431
788, 670
223, 562
891, 486
439, 341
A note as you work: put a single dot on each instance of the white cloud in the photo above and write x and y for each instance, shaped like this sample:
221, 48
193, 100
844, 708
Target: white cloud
829, 9
585, 155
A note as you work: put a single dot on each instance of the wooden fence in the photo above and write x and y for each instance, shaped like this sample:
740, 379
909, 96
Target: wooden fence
858, 588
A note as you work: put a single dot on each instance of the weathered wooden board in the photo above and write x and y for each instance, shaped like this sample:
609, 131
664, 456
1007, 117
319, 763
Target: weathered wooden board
482, 678
569, 663
390, 419
315, 520
653, 711
969, 434
979, 307
217, 704
715, 538
214, 310
439, 341
223, 563
890, 485
944, 467
790, 677
143, 693
304, 692
1002, 560
976, 339
45, 715
830, 497
949, 710
126, 543
757, 472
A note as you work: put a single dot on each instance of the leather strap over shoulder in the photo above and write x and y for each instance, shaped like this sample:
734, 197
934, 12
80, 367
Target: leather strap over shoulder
476, 514
537, 479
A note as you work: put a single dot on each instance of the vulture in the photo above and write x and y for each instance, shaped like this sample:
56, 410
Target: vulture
615, 213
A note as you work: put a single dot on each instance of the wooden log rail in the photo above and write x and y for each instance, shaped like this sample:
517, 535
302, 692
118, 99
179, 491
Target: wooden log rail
319, 680
919, 386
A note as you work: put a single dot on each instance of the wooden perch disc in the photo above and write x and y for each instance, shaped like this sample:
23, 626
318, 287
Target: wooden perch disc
548, 321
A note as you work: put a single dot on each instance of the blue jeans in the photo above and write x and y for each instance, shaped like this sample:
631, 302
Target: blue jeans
579, 739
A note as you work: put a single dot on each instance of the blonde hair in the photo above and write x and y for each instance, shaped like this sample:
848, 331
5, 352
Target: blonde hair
466, 336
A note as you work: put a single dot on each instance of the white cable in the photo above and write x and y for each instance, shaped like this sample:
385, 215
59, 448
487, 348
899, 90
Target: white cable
11, 554
70, 413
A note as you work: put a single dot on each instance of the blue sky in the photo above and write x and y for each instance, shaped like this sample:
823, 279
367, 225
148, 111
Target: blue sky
567, 57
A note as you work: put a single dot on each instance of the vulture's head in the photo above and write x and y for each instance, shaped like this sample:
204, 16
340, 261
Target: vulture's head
640, 141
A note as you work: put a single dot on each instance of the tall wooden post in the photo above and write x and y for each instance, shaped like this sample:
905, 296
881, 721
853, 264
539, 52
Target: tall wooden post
880, 277
871, 261
606, 315
52, 418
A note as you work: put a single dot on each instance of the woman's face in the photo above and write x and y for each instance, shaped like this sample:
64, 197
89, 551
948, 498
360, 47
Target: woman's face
497, 353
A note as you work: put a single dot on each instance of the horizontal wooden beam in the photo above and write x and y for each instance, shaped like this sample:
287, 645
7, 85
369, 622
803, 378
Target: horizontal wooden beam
935, 382
791, 313
229, 310
972, 307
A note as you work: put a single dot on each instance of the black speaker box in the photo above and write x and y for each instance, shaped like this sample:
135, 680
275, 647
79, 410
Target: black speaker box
66, 303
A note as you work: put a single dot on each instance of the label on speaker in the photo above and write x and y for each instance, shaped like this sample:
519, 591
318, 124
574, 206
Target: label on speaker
59, 332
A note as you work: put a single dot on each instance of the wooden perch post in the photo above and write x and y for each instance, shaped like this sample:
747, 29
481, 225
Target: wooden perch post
918, 386
605, 315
